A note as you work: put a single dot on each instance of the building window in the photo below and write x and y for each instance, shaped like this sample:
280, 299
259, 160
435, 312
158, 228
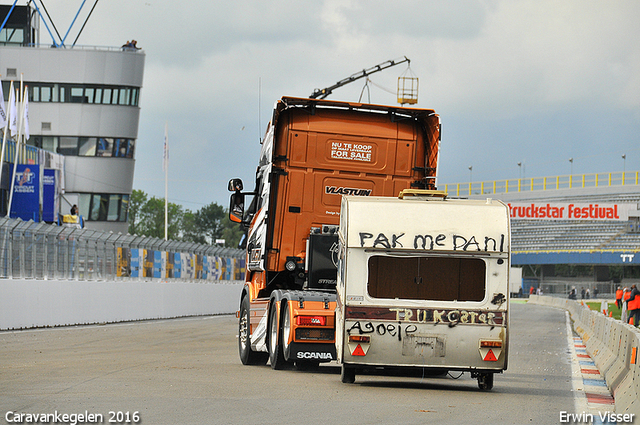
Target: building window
78, 93
68, 146
49, 143
89, 94
124, 208
123, 148
84, 202
12, 36
106, 97
104, 206
85, 146
105, 146
113, 212
98, 98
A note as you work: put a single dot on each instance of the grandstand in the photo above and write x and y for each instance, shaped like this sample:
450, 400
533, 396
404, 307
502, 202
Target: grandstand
562, 222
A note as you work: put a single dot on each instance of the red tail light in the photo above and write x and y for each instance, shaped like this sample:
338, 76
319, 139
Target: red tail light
311, 320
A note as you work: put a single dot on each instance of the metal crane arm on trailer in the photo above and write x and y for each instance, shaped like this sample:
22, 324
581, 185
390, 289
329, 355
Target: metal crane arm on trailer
323, 93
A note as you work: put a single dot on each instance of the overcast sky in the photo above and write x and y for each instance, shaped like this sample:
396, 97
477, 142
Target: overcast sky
535, 82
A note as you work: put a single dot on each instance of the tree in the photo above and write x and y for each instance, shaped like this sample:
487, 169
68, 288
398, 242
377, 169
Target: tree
136, 201
190, 230
146, 216
152, 219
209, 220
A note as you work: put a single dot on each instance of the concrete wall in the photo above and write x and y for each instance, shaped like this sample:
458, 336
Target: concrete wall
613, 346
42, 303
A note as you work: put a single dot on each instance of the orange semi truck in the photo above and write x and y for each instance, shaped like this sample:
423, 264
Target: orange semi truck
315, 151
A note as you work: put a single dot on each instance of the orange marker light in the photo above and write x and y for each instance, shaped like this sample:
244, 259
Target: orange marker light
491, 344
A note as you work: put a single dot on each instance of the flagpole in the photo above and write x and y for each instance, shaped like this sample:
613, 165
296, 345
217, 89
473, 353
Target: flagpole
165, 163
13, 129
6, 126
17, 153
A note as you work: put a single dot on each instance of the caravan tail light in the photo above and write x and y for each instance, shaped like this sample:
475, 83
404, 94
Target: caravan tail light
491, 344
311, 320
360, 338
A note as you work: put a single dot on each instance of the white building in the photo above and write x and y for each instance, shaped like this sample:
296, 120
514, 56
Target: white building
83, 104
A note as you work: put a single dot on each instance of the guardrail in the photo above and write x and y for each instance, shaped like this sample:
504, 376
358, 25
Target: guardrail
75, 47
30, 250
613, 346
572, 181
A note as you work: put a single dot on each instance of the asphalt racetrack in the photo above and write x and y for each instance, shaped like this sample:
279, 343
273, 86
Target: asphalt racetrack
187, 371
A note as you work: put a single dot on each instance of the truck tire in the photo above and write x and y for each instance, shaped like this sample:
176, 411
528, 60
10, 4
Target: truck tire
347, 375
485, 381
276, 355
247, 355
286, 329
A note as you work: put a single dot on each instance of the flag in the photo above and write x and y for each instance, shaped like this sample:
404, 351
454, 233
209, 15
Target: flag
165, 155
26, 113
13, 116
3, 112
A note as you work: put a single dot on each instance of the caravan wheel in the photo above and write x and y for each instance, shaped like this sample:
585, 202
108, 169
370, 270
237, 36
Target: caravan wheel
485, 381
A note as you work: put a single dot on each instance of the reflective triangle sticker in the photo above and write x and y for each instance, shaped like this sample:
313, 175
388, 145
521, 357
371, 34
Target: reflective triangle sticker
490, 354
490, 357
358, 351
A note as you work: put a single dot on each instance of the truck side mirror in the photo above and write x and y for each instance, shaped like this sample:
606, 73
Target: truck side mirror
235, 185
236, 208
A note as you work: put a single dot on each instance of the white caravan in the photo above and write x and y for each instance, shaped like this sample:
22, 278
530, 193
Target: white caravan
423, 283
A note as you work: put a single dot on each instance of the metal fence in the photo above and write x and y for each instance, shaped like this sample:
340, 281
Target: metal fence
30, 250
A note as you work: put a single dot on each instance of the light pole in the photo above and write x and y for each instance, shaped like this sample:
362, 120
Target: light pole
520, 170
571, 161
624, 166
470, 173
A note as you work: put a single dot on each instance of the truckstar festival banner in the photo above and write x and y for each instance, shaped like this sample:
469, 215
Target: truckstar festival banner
570, 211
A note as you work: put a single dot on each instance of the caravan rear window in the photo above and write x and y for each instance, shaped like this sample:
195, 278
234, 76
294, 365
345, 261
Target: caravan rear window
427, 278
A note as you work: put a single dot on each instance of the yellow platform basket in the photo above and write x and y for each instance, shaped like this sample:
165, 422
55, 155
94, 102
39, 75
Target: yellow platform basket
407, 90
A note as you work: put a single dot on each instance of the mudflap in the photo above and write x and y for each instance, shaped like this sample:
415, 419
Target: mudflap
321, 353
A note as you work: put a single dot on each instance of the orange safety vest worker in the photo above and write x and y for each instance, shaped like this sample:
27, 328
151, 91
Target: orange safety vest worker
619, 294
634, 304
627, 295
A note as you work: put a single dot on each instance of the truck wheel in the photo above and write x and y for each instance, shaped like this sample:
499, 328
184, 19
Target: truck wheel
286, 328
247, 355
348, 375
276, 355
485, 381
